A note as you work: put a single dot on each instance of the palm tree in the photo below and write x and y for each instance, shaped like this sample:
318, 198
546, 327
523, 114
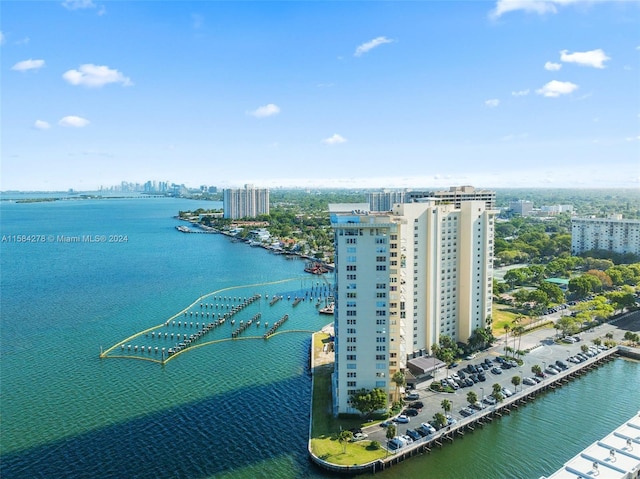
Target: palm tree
536, 369
472, 397
518, 331
391, 433
507, 328
343, 438
400, 380
446, 405
497, 392
515, 380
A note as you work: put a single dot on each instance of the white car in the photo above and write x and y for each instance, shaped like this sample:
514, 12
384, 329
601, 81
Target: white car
412, 396
359, 436
402, 419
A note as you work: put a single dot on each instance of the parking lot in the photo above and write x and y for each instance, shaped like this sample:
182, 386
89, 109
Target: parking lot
544, 351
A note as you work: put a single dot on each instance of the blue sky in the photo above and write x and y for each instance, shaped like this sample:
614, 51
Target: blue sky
297, 93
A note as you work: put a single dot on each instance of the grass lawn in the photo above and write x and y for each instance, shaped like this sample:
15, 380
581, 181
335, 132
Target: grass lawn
346, 454
325, 427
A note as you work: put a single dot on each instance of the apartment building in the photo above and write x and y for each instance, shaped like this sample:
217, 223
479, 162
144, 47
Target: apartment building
403, 279
612, 234
247, 202
384, 200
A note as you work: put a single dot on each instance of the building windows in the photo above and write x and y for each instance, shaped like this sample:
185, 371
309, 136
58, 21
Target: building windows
381, 339
351, 277
381, 384
381, 295
381, 267
351, 267
351, 321
351, 349
351, 312
381, 349
351, 375
381, 286
351, 366
351, 240
379, 357
351, 295
381, 312
351, 357
381, 259
351, 384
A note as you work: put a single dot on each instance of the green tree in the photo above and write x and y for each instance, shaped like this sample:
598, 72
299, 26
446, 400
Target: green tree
399, 380
515, 380
446, 405
536, 369
367, 401
497, 392
472, 397
343, 438
440, 419
391, 433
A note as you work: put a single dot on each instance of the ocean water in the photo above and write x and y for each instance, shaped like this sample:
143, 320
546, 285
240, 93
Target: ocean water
231, 409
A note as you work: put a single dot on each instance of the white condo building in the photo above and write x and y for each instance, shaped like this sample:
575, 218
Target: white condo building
247, 202
403, 279
611, 234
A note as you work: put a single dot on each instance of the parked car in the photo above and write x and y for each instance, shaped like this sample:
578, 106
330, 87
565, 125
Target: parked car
402, 419
428, 427
561, 364
477, 405
528, 381
406, 438
482, 377
416, 405
413, 434
507, 392
360, 436
396, 443
489, 400
412, 396
410, 412
496, 370
466, 411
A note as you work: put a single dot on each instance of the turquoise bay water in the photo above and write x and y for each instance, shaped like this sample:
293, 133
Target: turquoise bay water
232, 409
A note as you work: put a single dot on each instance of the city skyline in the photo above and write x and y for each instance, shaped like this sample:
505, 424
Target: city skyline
496, 94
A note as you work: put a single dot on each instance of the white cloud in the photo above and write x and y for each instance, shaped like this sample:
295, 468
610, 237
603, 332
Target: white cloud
73, 121
535, 6
2, 38
94, 76
24, 41
520, 92
41, 125
556, 88
492, 103
376, 42
335, 139
552, 67
593, 58
266, 110
78, 4
29, 64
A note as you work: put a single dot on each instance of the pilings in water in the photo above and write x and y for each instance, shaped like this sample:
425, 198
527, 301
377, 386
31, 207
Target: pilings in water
275, 327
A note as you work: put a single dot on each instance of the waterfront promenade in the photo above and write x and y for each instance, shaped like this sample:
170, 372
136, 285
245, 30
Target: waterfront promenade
544, 351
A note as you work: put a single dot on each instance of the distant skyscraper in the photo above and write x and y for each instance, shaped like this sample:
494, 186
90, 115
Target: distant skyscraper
247, 202
403, 279
611, 234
